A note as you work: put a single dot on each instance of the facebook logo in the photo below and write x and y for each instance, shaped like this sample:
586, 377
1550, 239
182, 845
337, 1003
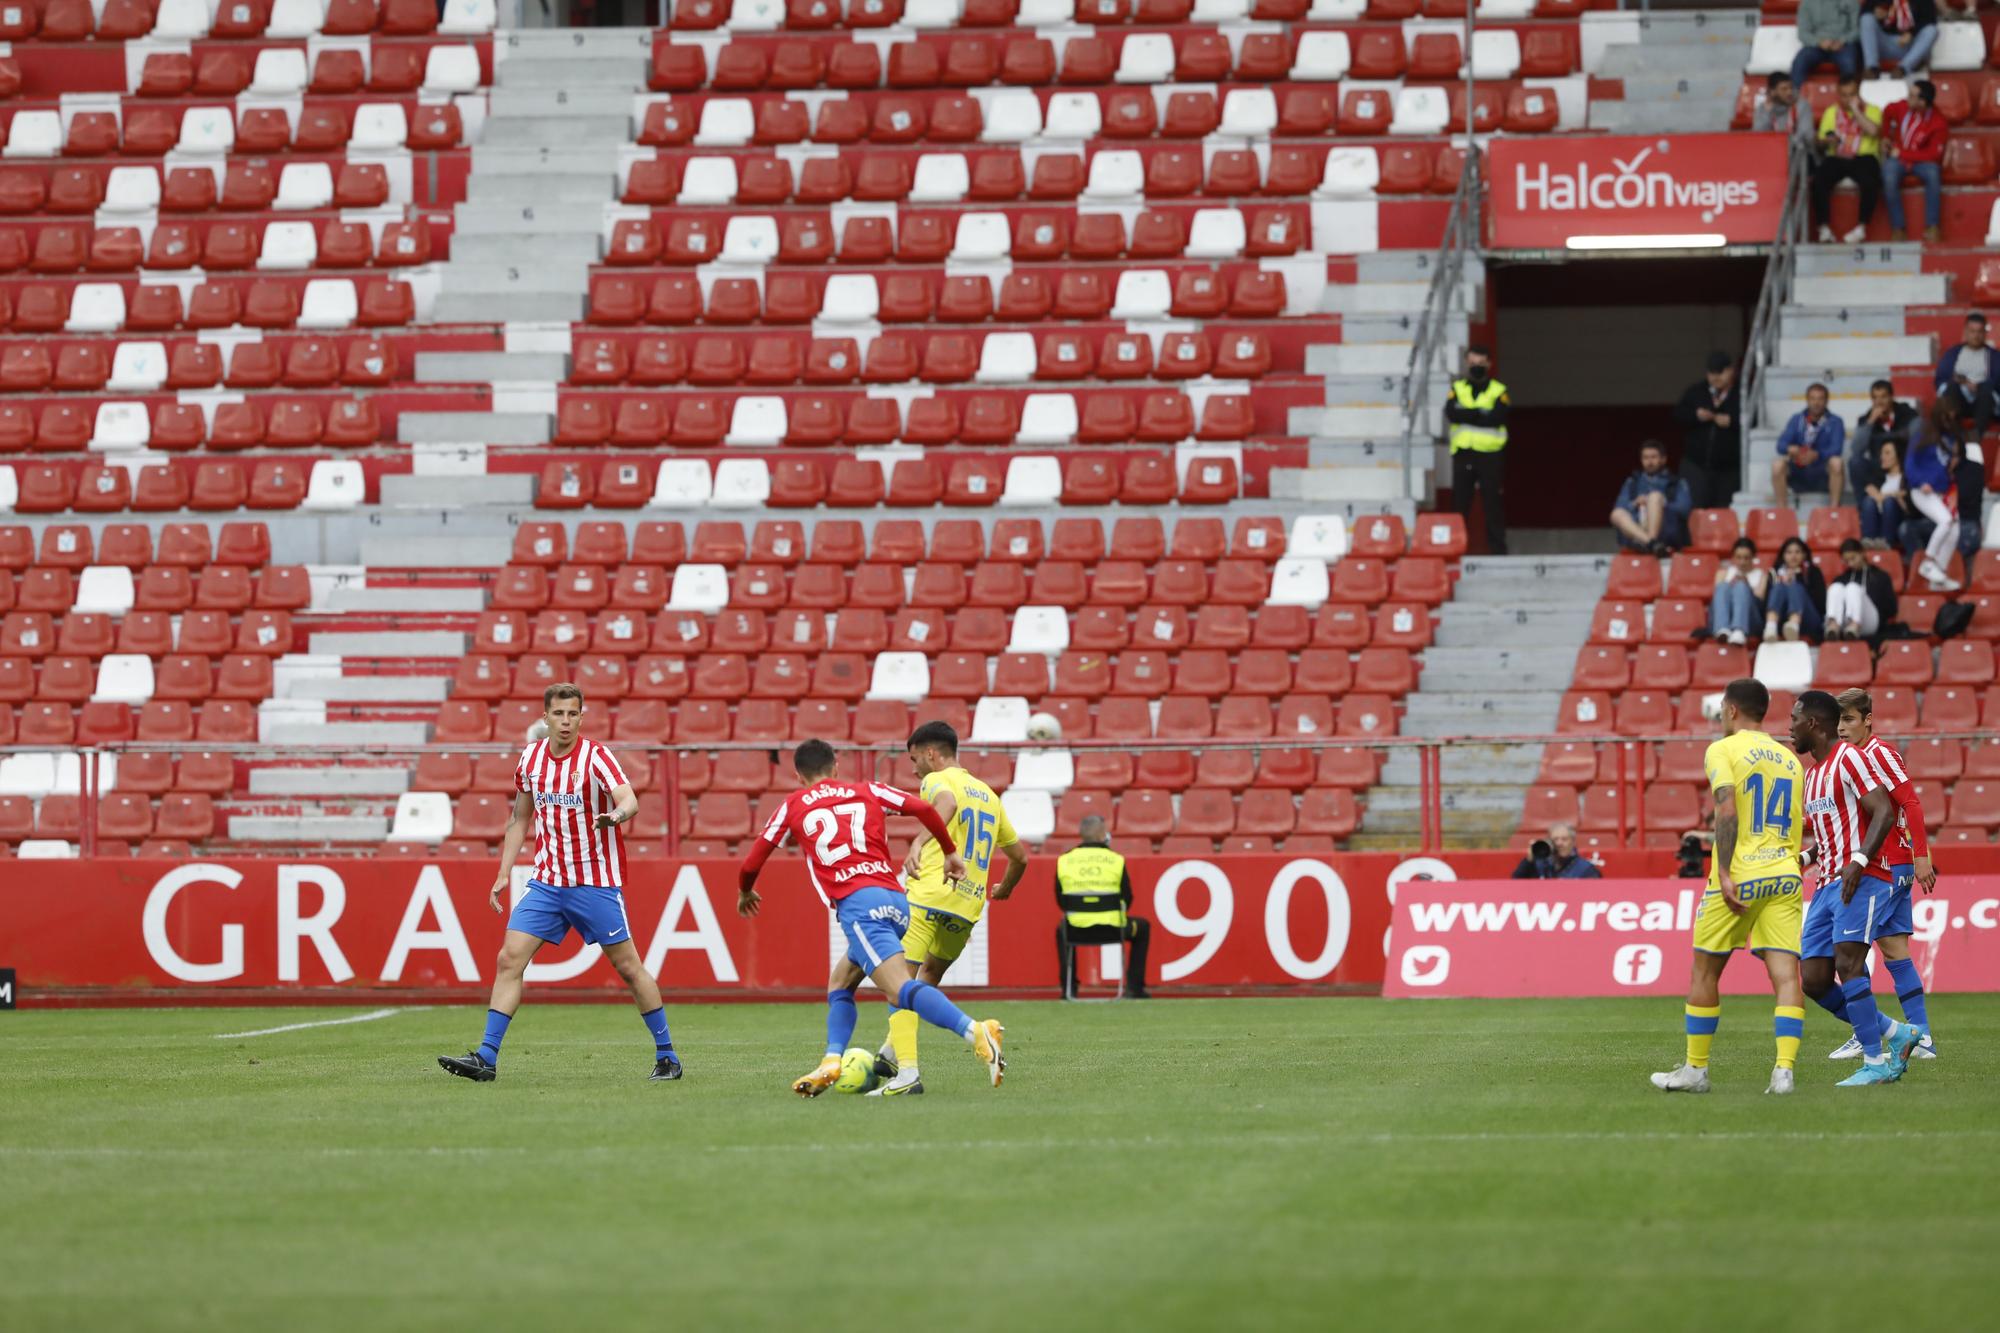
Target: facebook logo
1426, 965
1636, 965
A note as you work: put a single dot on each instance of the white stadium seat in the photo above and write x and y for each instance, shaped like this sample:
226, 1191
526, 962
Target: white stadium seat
178, 20
1000, 719
756, 15
726, 122
378, 127
750, 240
1960, 47
941, 178
303, 186
210, 131
981, 237
468, 18
742, 483
295, 18
1220, 11
46, 849
1420, 111
10, 489
1322, 57
850, 298
34, 134
105, 590
1249, 113
709, 180
1341, 11
683, 483
1043, 771
1349, 172
333, 484
1007, 358
1047, 418
132, 190
96, 307
931, 14
421, 816
1013, 115
1031, 811
1146, 57
1216, 233
1044, 13
124, 678
31, 774
138, 367
1142, 293
1039, 629
280, 72
1507, 10
1784, 666
288, 247
1073, 116
1773, 48
1035, 479
329, 303
121, 428
903, 677
703, 588
1495, 54
757, 420
451, 69
1299, 582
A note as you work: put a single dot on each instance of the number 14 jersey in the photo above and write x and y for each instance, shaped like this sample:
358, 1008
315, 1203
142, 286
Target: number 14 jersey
841, 829
1769, 792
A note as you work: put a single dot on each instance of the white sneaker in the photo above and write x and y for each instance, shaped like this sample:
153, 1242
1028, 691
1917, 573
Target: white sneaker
1924, 1050
1847, 1050
1826, 234
1737, 638
1781, 1083
1857, 235
1684, 1078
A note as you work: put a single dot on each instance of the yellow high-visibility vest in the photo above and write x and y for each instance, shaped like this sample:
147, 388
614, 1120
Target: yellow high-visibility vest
1481, 439
1097, 875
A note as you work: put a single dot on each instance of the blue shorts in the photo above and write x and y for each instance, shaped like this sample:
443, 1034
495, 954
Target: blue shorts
1872, 914
1812, 477
873, 920
598, 914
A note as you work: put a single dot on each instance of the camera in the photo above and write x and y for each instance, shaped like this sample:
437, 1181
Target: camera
1690, 856
1541, 850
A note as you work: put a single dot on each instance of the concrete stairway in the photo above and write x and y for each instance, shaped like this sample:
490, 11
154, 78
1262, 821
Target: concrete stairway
1681, 71
1505, 649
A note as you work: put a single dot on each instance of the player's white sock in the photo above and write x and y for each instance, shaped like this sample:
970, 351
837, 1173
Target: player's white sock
1876, 1059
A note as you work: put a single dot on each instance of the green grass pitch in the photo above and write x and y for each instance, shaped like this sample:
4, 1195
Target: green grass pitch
1307, 1163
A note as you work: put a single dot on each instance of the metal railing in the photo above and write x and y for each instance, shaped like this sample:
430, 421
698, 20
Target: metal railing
1767, 320
1461, 237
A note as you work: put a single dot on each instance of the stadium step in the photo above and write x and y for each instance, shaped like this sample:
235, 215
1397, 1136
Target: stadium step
1823, 261
481, 428
345, 780
1680, 71
1871, 352
1488, 814
401, 643
1798, 321
1472, 764
336, 688
308, 828
1481, 713
589, 72
1523, 668
491, 367
1872, 289
409, 490
416, 598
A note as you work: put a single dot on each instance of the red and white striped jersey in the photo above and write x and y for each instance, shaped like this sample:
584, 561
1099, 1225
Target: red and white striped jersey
1890, 774
1834, 788
842, 831
569, 792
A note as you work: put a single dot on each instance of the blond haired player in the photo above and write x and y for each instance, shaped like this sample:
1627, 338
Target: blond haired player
944, 911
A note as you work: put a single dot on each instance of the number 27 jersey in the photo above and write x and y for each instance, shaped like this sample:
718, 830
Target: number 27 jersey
841, 829
1769, 788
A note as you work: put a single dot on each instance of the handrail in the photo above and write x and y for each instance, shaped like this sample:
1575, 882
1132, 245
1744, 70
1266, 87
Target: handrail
1461, 235
1767, 319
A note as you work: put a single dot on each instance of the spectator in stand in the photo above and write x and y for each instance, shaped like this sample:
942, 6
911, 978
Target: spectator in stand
1711, 415
1875, 464
1738, 604
1913, 135
1974, 370
1555, 858
1850, 135
1653, 505
1780, 109
1933, 486
1903, 31
1862, 600
1809, 450
1829, 34
1475, 410
1796, 607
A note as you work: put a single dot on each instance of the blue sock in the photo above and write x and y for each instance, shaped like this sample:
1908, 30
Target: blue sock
841, 1016
496, 1032
1866, 1017
1834, 1003
932, 1006
1909, 991
663, 1040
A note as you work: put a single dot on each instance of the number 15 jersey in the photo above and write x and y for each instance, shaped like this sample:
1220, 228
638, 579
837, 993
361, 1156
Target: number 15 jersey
1769, 788
980, 824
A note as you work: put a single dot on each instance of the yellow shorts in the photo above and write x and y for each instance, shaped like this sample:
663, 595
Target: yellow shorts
1773, 914
935, 934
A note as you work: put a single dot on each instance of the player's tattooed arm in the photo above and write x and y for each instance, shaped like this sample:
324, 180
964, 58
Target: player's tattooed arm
1725, 845
1881, 814
1017, 866
625, 804
518, 825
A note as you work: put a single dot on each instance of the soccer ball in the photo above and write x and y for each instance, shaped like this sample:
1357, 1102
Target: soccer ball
1044, 727
857, 1071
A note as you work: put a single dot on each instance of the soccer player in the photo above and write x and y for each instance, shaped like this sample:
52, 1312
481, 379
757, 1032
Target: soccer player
1752, 899
840, 829
577, 796
1908, 853
1855, 887
943, 911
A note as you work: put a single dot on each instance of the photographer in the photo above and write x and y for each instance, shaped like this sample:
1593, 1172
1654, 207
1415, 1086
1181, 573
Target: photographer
1555, 857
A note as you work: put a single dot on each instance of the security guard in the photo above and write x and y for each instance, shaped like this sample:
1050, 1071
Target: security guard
1095, 891
1477, 412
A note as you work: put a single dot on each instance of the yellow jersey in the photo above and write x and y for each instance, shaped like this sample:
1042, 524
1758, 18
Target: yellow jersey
1769, 790
980, 826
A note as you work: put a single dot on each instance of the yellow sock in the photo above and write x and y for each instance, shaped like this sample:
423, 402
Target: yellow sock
1790, 1023
903, 1036
1701, 1024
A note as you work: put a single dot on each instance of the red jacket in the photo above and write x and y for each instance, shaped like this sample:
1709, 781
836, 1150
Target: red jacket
1918, 138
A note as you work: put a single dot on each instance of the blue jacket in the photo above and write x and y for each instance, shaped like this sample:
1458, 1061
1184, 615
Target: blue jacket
1827, 441
1680, 501
1929, 465
1947, 369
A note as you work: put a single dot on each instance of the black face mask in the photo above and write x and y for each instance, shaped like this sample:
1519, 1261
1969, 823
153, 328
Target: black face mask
1477, 374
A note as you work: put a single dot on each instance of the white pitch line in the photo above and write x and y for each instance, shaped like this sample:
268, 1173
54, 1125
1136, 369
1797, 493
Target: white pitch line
369, 1017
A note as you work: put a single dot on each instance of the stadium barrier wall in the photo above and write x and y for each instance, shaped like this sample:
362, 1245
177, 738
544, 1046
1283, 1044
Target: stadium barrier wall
112, 929
1630, 937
